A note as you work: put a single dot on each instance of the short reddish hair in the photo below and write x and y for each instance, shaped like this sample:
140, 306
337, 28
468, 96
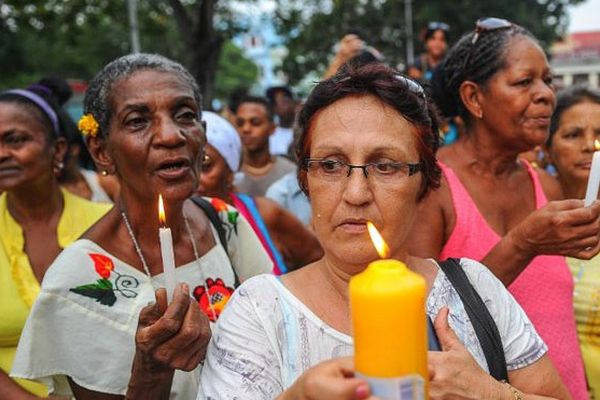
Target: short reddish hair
397, 91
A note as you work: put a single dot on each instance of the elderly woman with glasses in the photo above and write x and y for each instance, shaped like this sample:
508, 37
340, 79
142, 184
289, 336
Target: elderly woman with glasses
496, 208
367, 153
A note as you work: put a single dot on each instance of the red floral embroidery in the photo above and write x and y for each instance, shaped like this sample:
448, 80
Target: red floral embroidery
104, 265
218, 295
218, 204
103, 290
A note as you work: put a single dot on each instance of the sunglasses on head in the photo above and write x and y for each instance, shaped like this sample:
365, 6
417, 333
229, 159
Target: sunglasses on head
482, 26
414, 86
435, 26
487, 25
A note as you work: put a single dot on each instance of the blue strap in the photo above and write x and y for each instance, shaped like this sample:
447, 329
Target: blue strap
260, 223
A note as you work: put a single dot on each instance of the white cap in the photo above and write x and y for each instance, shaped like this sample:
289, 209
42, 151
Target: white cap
221, 135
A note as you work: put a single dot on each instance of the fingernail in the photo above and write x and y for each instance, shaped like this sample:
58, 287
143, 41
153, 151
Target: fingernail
185, 287
362, 391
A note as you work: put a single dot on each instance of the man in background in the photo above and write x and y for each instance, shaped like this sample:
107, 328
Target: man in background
284, 107
255, 125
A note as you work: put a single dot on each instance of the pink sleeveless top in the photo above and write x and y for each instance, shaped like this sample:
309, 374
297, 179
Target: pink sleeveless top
544, 289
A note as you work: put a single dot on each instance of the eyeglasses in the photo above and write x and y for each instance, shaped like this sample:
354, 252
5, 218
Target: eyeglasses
486, 25
436, 26
332, 170
412, 85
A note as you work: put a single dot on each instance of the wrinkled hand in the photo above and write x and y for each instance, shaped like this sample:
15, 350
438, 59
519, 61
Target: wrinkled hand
563, 227
453, 372
173, 335
329, 380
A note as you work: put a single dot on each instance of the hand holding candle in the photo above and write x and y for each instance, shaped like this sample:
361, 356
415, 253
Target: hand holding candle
166, 250
591, 194
387, 302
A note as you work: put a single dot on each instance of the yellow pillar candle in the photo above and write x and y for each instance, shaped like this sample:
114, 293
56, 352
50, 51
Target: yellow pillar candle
387, 302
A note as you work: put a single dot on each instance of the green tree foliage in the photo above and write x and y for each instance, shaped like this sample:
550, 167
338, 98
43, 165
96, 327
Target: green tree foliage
312, 27
75, 38
235, 71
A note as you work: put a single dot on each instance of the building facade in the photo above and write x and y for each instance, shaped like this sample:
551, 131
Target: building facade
576, 60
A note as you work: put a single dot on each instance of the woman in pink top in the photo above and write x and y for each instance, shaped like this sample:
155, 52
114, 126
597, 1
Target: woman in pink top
495, 208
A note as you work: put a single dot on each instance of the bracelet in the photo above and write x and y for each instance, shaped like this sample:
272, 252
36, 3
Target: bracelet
517, 395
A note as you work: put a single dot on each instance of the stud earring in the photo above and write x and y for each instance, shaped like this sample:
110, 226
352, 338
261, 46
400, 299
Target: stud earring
104, 172
60, 166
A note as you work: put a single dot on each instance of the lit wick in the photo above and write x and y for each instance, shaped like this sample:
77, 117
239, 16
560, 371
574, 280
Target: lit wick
380, 245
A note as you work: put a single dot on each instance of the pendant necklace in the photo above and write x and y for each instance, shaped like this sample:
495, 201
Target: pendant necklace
194, 248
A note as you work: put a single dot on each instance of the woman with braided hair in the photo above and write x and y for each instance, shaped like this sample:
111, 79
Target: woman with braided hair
494, 207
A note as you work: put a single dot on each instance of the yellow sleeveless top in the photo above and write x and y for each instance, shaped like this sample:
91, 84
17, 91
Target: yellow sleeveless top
18, 284
587, 314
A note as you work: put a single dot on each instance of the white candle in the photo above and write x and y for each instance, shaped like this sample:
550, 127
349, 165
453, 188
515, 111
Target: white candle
591, 193
166, 251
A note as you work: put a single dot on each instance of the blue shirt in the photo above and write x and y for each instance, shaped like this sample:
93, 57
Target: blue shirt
288, 194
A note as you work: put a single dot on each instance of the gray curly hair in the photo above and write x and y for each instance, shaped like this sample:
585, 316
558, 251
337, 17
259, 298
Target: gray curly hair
97, 96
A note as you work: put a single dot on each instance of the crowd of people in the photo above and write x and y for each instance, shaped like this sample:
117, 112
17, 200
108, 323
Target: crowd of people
268, 205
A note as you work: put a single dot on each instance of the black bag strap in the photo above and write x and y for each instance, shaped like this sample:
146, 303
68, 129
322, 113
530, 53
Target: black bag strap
483, 323
216, 221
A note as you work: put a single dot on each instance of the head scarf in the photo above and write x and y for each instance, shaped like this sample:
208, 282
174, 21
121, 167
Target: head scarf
221, 135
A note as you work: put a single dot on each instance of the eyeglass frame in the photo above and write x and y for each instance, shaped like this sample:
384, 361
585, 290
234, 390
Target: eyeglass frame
413, 168
481, 28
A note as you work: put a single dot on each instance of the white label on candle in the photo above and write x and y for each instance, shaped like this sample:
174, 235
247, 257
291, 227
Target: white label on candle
591, 193
410, 387
168, 260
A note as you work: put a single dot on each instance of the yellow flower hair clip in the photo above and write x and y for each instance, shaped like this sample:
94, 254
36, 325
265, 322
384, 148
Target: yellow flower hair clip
88, 126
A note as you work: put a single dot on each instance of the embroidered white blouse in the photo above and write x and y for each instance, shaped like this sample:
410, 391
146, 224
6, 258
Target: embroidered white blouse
84, 321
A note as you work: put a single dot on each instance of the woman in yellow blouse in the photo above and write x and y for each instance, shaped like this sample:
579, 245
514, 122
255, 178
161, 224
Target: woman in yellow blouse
574, 129
37, 218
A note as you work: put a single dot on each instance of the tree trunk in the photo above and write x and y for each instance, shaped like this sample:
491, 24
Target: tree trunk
203, 44
206, 48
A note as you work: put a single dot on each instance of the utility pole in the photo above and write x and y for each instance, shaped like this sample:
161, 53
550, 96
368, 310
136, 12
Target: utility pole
408, 23
133, 26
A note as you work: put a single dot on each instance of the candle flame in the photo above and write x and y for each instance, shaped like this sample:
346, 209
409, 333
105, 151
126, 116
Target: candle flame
380, 245
596, 145
161, 211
